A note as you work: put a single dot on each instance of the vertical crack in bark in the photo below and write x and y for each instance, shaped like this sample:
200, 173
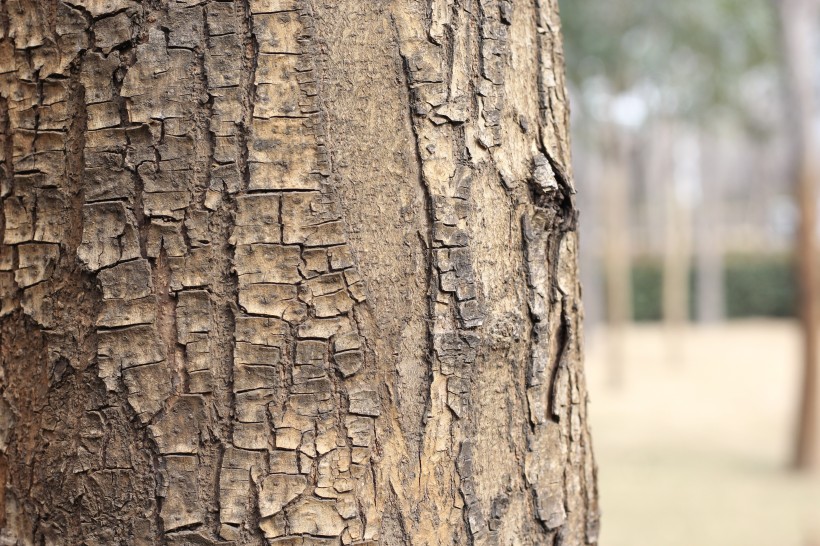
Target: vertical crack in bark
167, 321
436, 65
549, 230
425, 239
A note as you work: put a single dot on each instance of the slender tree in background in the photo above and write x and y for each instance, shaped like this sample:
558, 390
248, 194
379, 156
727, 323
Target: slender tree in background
708, 227
799, 30
681, 185
615, 202
289, 272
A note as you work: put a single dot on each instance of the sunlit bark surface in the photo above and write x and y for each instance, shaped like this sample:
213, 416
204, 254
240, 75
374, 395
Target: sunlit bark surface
289, 272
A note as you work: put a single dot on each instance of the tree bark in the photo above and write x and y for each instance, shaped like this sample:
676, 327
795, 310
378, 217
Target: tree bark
289, 272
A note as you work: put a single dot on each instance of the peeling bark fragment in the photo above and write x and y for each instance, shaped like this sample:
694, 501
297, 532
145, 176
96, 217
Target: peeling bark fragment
167, 204
157, 178
186, 26
109, 235
332, 305
294, 166
251, 436
117, 313
194, 539
278, 32
33, 214
283, 462
277, 490
162, 81
314, 262
19, 221
128, 280
148, 387
199, 364
257, 219
260, 331
181, 506
551, 512
7, 289
360, 431
346, 341
103, 115
37, 302
110, 32
35, 263
288, 438
109, 181
311, 352
323, 328
458, 390
315, 517
274, 300
264, 263
254, 376
191, 270
240, 469
311, 220
221, 18
364, 402
176, 430
193, 312
261, 355
102, 7
132, 346
348, 363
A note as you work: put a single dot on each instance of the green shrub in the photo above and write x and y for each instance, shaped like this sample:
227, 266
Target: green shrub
647, 290
760, 286
754, 286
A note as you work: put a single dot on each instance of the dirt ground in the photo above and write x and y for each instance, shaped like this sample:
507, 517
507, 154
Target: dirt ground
693, 447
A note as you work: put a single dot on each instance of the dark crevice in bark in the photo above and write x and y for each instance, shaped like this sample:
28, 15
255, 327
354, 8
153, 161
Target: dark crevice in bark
167, 321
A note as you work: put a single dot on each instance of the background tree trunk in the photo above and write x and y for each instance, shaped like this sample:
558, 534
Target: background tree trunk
709, 215
798, 20
618, 148
289, 272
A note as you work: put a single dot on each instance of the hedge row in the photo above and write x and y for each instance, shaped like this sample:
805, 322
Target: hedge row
754, 286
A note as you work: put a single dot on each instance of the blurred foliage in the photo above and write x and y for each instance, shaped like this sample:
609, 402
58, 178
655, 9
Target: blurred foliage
647, 290
686, 58
760, 286
754, 286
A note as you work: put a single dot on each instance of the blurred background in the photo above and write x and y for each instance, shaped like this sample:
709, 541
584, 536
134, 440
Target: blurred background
695, 139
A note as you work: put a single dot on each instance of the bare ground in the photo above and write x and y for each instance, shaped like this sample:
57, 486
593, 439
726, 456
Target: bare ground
694, 446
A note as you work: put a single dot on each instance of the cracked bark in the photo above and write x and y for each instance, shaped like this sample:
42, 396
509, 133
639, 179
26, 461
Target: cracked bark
289, 272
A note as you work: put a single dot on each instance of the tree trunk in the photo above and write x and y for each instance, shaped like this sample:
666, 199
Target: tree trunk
618, 252
708, 226
798, 25
677, 254
289, 272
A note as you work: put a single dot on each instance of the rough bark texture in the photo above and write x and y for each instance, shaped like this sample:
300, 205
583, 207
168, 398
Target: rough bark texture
291, 272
